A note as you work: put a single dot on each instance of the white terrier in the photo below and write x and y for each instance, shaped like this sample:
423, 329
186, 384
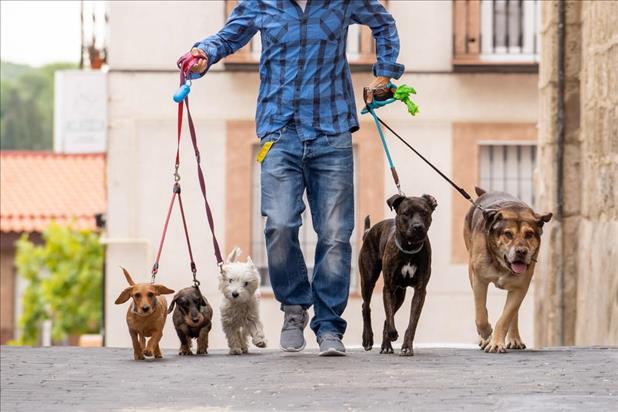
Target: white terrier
239, 282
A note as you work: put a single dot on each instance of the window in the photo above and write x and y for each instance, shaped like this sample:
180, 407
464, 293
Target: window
508, 168
496, 33
360, 47
307, 237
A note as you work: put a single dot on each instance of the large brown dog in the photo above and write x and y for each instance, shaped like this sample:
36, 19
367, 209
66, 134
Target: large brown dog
146, 316
503, 241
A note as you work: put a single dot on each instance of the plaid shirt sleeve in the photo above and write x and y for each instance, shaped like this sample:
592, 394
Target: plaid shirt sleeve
371, 13
238, 30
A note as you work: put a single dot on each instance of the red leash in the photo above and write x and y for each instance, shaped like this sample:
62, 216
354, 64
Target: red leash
185, 64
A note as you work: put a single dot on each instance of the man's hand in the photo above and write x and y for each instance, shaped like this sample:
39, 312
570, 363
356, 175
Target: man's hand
202, 64
377, 87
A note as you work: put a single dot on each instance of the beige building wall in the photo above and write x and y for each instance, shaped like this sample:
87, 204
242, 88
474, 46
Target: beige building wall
577, 302
141, 148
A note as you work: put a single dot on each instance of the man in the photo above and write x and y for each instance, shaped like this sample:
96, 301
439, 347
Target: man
305, 116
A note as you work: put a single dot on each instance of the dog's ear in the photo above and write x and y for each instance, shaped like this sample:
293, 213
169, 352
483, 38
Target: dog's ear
394, 201
171, 309
127, 276
162, 290
542, 219
124, 296
479, 191
250, 261
491, 216
433, 203
203, 300
233, 256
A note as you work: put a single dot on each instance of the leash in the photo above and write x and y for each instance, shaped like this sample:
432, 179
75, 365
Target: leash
387, 98
185, 63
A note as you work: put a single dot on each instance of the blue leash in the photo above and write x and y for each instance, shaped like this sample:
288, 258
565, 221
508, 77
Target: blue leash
369, 108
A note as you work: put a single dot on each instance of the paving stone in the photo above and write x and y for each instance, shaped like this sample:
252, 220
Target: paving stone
102, 379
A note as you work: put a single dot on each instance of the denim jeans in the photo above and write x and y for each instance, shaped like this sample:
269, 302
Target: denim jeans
324, 168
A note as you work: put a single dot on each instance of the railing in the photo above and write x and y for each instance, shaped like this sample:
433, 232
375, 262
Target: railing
495, 33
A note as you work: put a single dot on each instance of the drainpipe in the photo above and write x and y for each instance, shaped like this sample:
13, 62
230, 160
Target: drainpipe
560, 132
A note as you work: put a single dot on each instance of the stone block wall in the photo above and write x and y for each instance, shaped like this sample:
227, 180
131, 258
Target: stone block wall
581, 306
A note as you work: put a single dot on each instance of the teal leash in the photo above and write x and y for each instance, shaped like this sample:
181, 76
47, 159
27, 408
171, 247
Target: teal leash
391, 164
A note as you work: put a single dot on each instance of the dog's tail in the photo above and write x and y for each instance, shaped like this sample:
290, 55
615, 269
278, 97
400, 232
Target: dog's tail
367, 226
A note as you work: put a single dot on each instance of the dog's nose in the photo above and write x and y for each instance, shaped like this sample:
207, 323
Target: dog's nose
195, 319
145, 308
235, 294
521, 251
417, 228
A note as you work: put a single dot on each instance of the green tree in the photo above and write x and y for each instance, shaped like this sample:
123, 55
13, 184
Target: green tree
64, 283
26, 106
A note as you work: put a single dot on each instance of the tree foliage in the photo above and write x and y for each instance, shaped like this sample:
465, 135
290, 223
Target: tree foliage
64, 278
27, 106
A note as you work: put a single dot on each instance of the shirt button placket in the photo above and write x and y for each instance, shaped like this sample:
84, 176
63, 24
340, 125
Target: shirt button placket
300, 74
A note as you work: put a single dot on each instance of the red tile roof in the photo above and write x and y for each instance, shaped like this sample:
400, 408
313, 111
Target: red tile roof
39, 187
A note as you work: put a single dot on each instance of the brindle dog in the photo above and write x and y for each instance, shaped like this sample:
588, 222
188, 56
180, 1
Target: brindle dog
192, 319
400, 249
503, 241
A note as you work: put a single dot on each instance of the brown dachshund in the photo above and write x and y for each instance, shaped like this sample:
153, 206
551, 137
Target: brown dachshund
192, 319
146, 316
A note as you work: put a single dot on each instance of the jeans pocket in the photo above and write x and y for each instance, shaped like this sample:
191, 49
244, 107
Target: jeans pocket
339, 141
272, 137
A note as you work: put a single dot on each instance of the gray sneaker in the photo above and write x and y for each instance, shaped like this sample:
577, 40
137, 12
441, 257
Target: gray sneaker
331, 345
294, 323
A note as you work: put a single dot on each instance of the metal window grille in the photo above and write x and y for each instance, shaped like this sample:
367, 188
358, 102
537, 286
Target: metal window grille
307, 237
508, 168
509, 29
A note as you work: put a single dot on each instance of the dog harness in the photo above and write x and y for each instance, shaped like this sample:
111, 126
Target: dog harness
185, 63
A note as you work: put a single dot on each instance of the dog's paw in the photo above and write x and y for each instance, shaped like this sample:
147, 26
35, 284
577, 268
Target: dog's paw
406, 351
495, 347
147, 352
387, 348
185, 352
393, 335
202, 351
259, 342
138, 356
367, 341
483, 342
235, 351
158, 356
515, 343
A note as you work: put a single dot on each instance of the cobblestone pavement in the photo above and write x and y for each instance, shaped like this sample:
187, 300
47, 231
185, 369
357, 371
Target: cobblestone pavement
66, 379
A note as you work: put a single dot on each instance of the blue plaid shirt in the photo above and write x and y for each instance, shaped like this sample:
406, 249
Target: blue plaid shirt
304, 72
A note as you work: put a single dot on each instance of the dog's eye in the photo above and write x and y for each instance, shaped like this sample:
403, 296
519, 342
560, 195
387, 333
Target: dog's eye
138, 295
508, 235
246, 283
528, 235
150, 294
230, 280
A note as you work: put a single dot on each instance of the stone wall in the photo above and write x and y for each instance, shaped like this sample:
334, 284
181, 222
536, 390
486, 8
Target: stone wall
580, 307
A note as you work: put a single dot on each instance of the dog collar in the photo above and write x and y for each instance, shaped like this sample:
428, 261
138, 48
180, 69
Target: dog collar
408, 252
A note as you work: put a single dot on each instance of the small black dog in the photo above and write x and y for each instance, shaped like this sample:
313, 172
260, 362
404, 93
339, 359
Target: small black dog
192, 319
400, 249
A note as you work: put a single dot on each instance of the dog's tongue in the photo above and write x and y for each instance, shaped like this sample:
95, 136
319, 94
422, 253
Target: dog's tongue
518, 267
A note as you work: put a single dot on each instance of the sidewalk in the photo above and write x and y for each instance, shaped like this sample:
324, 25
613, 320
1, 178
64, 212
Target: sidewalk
63, 379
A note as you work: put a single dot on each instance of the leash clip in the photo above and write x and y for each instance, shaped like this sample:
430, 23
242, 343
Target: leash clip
176, 174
